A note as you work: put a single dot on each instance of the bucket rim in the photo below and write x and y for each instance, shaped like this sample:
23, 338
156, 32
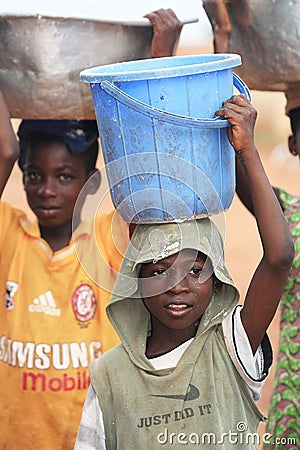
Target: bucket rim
166, 67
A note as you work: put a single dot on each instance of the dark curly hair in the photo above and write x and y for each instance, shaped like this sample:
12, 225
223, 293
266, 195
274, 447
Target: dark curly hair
79, 136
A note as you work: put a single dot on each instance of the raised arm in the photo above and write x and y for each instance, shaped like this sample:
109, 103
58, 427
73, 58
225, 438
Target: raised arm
9, 148
242, 187
217, 14
271, 274
166, 32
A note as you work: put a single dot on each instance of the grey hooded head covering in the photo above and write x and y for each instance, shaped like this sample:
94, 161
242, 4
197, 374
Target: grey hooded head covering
127, 312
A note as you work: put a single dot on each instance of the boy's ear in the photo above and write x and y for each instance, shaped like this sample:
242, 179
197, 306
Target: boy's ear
94, 181
292, 145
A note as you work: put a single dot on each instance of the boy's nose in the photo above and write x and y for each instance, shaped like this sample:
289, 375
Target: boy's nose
48, 188
178, 282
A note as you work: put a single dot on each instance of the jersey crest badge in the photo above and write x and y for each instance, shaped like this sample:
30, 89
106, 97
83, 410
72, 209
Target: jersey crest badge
84, 303
11, 289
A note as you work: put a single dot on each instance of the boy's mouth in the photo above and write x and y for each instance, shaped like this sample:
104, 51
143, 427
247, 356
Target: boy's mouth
47, 210
178, 309
47, 207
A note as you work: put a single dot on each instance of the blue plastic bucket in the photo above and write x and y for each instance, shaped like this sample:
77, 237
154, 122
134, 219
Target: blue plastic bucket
167, 157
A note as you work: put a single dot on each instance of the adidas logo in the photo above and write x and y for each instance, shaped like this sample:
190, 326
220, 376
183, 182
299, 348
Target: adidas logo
44, 303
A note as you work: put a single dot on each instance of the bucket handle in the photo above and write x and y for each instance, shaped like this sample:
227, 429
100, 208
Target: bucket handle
159, 114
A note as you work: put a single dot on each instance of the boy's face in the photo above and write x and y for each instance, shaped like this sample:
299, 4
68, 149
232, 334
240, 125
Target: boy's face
53, 179
177, 289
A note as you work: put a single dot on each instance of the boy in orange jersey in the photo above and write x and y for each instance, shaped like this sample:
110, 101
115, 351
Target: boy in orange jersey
52, 314
52, 317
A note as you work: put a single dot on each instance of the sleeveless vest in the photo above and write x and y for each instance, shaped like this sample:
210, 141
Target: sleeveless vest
203, 401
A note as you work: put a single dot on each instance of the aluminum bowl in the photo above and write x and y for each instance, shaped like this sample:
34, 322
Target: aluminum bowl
266, 33
41, 57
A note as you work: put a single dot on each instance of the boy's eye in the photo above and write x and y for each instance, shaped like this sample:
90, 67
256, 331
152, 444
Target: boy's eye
158, 272
65, 177
195, 271
33, 176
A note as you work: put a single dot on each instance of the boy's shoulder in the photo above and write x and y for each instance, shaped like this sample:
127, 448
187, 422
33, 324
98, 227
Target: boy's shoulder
108, 360
112, 229
109, 355
10, 214
14, 226
106, 225
111, 218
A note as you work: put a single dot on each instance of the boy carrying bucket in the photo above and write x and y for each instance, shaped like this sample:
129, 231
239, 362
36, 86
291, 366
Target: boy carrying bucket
192, 363
52, 313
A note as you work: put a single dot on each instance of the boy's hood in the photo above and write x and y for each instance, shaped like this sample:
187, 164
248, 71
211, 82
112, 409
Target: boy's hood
126, 310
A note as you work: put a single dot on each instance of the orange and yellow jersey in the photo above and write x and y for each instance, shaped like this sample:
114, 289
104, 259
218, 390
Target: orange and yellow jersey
52, 324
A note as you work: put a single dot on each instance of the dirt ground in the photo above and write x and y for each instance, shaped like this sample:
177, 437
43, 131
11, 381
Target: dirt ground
242, 245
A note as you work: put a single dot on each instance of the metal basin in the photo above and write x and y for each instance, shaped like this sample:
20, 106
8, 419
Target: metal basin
266, 33
41, 57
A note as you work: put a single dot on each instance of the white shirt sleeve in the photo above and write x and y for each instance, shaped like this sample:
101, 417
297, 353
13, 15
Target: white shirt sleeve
253, 369
91, 435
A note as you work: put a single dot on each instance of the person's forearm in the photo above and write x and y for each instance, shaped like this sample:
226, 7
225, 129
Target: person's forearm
217, 14
266, 208
242, 185
9, 148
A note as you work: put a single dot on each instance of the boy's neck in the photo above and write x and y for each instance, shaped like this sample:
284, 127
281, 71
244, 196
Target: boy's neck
163, 339
58, 237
